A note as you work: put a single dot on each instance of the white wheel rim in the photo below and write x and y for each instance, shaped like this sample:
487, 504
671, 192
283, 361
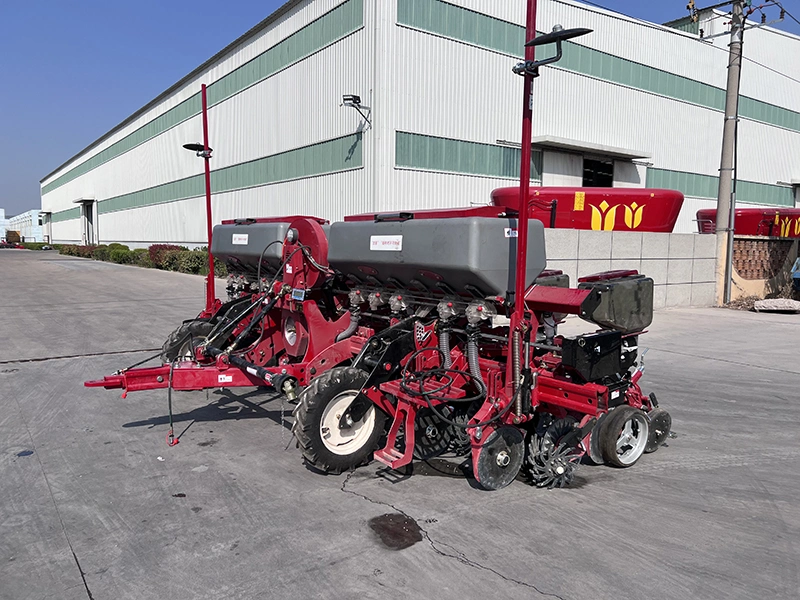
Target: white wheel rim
632, 440
350, 439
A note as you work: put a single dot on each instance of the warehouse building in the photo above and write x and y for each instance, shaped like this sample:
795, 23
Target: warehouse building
28, 225
435, 121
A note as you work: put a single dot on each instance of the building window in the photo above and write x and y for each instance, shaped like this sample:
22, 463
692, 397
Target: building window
598, 173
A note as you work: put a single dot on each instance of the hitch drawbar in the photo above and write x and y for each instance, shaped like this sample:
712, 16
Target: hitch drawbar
189, 376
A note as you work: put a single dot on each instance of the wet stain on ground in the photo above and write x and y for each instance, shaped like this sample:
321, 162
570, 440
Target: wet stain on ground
25, 453
210, 442
196, 509
179, 495
396, 531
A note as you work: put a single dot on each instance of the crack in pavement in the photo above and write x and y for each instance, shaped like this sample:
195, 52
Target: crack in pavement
457, 555
724, 360
89, 355
80, 570
55, 504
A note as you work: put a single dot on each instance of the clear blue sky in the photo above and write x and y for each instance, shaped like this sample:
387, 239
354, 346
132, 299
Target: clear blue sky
70, 71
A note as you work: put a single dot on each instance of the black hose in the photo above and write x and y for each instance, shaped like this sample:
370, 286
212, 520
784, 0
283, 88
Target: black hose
420, 377
351, 328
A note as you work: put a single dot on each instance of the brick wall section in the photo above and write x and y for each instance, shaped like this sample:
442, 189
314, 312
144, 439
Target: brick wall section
682, 265
760, 259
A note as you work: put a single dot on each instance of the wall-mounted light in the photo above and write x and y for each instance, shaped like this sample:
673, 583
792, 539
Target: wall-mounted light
354, 101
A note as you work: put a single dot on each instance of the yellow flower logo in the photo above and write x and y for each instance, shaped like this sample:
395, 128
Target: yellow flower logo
633, 215
786, 227
797, 226
603, 217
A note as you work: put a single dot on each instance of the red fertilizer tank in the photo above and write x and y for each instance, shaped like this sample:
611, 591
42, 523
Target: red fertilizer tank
600, 209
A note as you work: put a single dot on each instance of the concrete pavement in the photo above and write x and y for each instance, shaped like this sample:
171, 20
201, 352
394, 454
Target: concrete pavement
87, 509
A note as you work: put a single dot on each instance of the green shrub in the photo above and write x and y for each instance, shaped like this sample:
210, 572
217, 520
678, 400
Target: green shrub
68, 249
113, 245
141, 257
192, 261
34, 245
171, 259
158, 253
220, 270
84, 251
101, 253
121, 256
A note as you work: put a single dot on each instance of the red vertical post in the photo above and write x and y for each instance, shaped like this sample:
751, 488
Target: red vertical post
211, 295
524, 172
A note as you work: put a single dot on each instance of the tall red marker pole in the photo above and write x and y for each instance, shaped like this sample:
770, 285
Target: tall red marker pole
211, 295
524, 172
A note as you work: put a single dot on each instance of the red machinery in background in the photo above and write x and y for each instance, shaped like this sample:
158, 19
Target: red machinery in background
773, 222
599, 209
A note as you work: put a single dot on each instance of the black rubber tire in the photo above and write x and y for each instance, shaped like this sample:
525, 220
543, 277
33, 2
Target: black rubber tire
660, 426
308, 417
179, 339
612, 429
594, 452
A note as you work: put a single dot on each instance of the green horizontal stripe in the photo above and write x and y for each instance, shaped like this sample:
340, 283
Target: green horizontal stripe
425, 152
332, 156
328, 29
706, 186
66, 215
481, 30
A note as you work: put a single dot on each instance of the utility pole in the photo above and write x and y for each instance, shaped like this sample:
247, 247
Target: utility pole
726, 198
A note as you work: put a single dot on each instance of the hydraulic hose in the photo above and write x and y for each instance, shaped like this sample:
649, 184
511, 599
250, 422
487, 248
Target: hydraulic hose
472, 357
355, 317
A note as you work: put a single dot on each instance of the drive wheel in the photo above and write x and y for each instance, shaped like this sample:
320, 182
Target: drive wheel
181, 342
325, 443
624, 436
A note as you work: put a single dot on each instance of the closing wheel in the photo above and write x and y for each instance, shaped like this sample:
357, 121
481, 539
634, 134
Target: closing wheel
329, 442
623, 437
553, 453
181, 343
500, 457
660, 426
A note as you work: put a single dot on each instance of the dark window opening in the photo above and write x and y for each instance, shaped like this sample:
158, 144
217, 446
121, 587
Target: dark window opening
598, 173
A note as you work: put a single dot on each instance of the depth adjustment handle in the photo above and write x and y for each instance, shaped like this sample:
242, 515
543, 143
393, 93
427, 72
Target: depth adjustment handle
558, 35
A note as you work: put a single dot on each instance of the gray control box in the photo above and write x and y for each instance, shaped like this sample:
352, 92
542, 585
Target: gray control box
477, 252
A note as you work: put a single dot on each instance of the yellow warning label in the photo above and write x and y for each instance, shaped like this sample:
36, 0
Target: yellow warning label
580, 200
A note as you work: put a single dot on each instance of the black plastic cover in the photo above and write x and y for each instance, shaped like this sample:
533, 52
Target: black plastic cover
624, 304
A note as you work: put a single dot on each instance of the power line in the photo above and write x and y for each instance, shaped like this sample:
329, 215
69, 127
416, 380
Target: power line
665, 29
788, 13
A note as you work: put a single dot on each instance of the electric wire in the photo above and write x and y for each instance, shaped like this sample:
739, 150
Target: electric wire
260, 259
409, 379
791, 16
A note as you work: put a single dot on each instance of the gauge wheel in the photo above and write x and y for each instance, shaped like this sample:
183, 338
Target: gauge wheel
594, 452
181, 342
327, 445
624, 436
